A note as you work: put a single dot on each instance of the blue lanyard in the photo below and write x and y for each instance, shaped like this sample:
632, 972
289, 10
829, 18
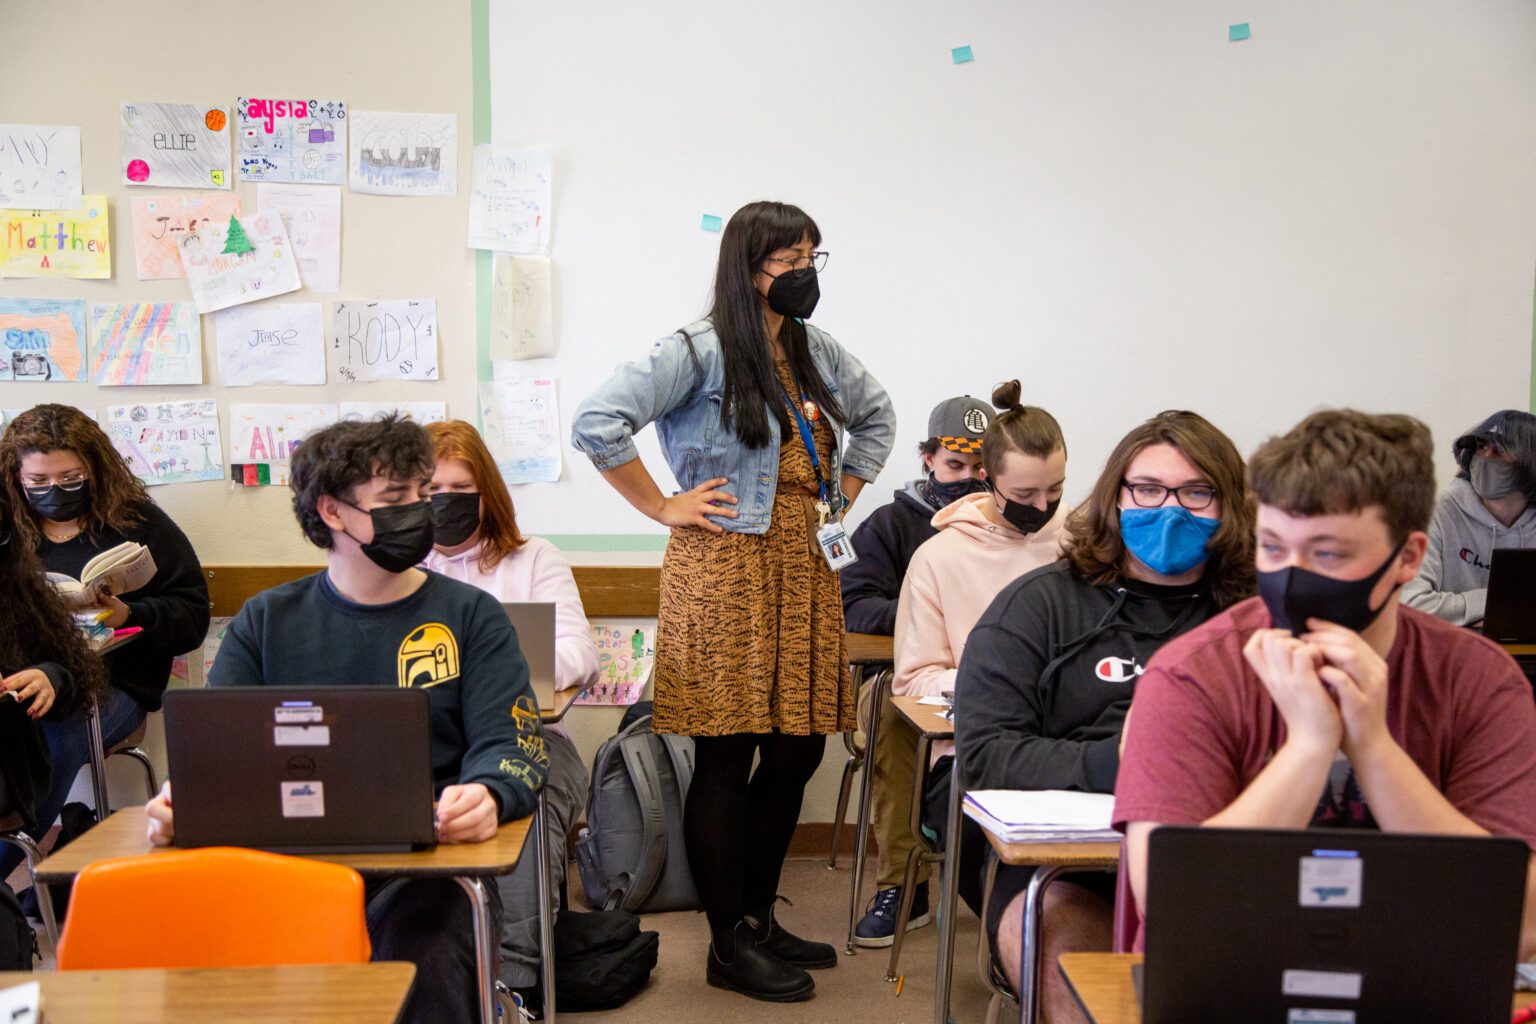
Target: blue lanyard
806, 438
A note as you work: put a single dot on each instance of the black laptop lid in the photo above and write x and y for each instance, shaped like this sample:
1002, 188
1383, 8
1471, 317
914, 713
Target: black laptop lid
1509, 616
301, 769
1331, 927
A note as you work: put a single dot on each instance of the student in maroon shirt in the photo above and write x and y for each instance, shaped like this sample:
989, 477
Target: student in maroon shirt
1323, 702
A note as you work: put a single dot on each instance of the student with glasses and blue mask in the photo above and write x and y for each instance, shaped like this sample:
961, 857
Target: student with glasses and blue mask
1163, 543
771, 428
79, 498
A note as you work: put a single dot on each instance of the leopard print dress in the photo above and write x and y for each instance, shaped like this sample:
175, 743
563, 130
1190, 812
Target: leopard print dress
750, 633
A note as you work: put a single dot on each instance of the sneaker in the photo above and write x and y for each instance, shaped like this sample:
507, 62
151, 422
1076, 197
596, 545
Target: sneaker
878, 928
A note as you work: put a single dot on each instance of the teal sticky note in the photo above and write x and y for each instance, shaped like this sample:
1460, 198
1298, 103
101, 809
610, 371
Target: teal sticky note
1237, 33
961, 55
710, 222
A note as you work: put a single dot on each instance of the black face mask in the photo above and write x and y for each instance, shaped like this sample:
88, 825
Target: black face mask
795, 293
402, 535
455, 517
55, 503
1294, 595
1025, 518
941, 494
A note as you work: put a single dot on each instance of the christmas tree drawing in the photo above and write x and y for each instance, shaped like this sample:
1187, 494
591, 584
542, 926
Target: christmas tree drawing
236, 243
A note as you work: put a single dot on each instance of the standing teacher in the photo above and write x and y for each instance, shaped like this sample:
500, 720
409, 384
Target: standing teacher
751, 406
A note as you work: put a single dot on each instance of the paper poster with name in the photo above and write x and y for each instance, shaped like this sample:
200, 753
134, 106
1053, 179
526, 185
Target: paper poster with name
42, 340
312, 216
176, 145
40, 166
244, 260
291, 140
57, 243
521, 423
269, 434
271, 343
522, 313
146, 343
393, 340
509, 199
160, 221
626, 650
403, 154
421, 412
169, 442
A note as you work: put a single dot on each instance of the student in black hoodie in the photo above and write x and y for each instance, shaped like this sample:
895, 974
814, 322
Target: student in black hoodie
76, 498
1163, 543
871, 587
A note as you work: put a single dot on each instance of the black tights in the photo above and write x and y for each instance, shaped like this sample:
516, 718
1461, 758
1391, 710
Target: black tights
738, 828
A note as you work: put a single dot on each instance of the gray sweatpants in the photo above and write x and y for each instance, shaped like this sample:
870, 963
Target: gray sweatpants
566, 789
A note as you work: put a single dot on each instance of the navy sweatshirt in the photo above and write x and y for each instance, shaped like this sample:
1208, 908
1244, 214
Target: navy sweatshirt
172, 608
884, 543
1048, 673
448, 638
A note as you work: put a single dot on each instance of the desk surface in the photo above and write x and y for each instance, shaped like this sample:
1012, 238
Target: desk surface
925, 718
867, 648
357, 993
1089, 855
1103, 987
124, 835
563, 701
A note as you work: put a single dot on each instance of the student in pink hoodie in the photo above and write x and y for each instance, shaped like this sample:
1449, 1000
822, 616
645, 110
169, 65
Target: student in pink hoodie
985, 542
477, 542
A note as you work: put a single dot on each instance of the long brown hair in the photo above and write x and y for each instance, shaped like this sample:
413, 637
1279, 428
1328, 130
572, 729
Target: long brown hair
1021, 428
499, 536
118, 497
1094, 545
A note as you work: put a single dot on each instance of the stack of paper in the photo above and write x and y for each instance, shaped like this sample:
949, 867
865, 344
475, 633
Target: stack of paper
1042, 816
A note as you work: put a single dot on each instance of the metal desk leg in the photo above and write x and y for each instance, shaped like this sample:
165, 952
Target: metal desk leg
914, 855
1029, 967
947, 908
98, 762
854, 763
546, 912
866, 789
485, 945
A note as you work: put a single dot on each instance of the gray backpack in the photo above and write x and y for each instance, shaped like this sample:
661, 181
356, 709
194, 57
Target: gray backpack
631, 854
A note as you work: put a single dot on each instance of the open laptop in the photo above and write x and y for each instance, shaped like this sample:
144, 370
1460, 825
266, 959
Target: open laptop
535, 625
315, 769
1509, 617
1331, 927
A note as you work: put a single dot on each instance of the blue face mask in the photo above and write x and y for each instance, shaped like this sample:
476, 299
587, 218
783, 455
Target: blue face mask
1169, 540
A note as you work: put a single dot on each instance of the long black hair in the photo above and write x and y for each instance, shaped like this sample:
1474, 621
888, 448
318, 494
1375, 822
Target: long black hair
752, 387
1515, 434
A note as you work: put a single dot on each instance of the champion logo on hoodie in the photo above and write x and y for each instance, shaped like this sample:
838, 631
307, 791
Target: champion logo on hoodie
1470, 557
1117, 670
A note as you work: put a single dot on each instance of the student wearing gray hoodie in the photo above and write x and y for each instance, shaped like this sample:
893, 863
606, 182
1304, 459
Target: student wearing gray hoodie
1491, 504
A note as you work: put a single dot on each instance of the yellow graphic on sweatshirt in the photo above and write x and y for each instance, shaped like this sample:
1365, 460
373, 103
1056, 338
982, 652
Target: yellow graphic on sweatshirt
429, 656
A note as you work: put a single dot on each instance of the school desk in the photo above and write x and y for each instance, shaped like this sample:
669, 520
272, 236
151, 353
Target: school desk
870, 657
472, 865
564, 699
302, 994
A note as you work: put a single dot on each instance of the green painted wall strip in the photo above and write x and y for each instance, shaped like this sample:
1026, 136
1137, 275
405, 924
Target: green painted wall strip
1533, 347
480, 49
607, 541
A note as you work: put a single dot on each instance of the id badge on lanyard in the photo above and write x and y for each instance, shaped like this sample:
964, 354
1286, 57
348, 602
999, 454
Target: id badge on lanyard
831, 537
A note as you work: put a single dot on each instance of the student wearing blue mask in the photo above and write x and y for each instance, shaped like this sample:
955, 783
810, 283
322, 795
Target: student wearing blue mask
1163, 543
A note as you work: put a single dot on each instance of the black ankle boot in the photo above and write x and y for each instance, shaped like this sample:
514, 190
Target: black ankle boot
771, 936
749, 969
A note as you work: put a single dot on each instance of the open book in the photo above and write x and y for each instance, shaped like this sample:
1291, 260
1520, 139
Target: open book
121, 570
1042, 816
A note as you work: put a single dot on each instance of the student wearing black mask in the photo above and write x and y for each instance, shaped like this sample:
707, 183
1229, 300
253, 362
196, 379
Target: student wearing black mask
371, 619
76, 497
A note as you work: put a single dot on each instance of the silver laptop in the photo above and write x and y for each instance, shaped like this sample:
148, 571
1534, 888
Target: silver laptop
535, 625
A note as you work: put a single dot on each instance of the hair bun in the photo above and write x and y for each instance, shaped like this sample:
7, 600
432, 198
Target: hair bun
1006, 396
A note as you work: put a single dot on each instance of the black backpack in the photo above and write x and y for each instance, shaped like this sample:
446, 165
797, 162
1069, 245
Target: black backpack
18, 943
601, 959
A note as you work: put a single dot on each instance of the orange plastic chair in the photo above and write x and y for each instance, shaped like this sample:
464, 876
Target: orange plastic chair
213, 907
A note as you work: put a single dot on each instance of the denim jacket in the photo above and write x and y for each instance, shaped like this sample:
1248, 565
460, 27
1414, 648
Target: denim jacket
685, 402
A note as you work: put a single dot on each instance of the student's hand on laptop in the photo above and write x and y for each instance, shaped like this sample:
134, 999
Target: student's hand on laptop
30, 685
466, 814
1288, 668
158, 811
1358, 677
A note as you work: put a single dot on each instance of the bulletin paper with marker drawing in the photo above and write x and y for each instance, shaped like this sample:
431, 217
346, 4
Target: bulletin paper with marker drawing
267, 435
403, 154
226, 266
176, 145
159, 222
40, 166
394, 340
291, 140
143, 343
271, 343
57, 243
521, 422
626, 650
509, 199
168, 442
522, 313
312, 217
421, 412
43, 339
